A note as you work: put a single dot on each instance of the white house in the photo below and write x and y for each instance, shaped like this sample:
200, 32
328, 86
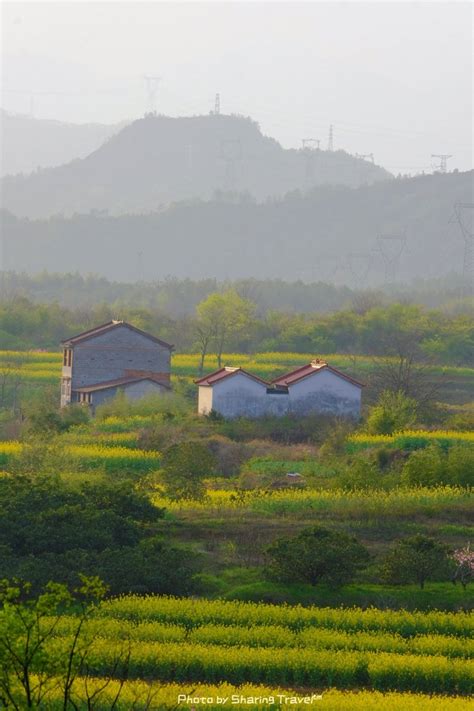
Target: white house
318, 387
315, 387
232, 392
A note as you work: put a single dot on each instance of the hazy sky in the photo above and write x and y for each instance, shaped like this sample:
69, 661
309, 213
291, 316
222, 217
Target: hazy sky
395, 78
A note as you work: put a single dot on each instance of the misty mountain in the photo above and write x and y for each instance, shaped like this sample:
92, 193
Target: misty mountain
329, 234
159, 160
29, 143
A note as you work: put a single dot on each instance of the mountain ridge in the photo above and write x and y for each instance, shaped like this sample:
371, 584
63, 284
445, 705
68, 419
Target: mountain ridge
158, 160
331, 233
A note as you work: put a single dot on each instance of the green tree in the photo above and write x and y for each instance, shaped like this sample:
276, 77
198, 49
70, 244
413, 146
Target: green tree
31, 664
416, 560
222, 318
393, 412
426, 467
460, 465
184, 467
49, 531
316, 555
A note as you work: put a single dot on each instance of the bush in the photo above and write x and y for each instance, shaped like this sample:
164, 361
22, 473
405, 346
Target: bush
433, 466
50, 532
425, 467
184, 467
393, 412
316, 555
460, 465
416, 560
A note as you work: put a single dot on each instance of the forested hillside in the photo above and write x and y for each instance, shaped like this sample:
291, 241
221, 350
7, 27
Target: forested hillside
158, 160
328, 234
30, 143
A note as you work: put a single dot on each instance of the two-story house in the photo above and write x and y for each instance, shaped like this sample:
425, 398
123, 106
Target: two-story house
111, 358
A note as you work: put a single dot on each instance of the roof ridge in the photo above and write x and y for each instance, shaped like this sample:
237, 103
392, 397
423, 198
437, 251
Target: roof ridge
110, 325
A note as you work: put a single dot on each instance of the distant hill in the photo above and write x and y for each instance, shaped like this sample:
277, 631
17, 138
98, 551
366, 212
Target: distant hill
329, 234
30, 143
158, 160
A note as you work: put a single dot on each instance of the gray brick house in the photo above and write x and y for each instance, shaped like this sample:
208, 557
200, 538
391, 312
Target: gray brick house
111, 358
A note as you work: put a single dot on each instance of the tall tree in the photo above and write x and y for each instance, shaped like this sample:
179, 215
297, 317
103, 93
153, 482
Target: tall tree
222, 318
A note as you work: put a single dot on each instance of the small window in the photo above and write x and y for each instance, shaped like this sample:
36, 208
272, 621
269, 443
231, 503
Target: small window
67, 357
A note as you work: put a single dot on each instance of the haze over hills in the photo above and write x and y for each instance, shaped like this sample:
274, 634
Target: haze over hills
328, 234
30, 143
158, 160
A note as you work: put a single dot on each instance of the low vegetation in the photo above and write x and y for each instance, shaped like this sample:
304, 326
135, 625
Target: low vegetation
357, 533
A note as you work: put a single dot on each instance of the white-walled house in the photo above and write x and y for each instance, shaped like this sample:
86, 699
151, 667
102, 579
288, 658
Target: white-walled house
232, 392
318, 387
315, 387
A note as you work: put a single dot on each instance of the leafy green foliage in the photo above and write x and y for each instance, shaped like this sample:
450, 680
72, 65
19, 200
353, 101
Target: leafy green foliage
393, 412
49, 531
185, 466
30, 667
433, 466
416, 559
317, 555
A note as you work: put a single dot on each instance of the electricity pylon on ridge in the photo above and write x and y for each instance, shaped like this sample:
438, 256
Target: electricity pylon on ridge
443, 161
464, 217
152, 84
390, 247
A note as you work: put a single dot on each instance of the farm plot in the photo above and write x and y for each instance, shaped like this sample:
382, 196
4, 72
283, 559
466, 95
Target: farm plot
396, 659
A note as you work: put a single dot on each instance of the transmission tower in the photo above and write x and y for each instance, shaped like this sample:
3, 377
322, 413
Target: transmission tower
152, 83
365, 156
464, 217
331, 138
231, 152
217, 104
443, 161
391, 248
359, 265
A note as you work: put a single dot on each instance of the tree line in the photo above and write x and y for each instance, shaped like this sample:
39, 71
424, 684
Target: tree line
226, 321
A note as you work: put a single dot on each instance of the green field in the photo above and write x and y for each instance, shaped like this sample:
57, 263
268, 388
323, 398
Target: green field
395, 659
42, 367
364, 646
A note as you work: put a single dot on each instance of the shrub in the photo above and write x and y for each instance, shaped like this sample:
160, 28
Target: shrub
460, 465
416, 560
393, 412
425, 467
184, 467
316, 555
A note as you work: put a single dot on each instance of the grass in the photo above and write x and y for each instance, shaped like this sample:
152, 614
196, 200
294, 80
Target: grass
435, 596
